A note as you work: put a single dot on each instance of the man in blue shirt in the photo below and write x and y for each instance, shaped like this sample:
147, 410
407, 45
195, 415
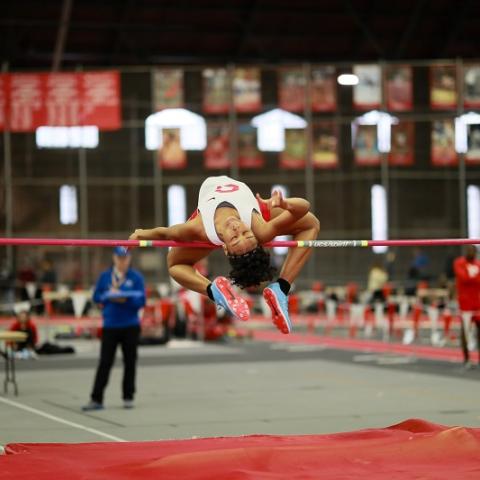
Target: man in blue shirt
120, 291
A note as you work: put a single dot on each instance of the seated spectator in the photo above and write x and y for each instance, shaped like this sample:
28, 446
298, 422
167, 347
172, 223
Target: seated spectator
24, 323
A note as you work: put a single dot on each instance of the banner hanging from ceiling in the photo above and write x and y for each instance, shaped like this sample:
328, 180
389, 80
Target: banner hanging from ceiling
471, 93
32, 100
247, 95
323, 87
365, 146
249, 156
443, 152
167, 88
324, 153
443, 87
294, 155
399, 91
367, 94
216, 90
217, 153
402, 145
291, 89
171, 155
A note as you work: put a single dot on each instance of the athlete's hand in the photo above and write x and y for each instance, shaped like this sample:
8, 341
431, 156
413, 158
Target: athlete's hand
136, 235
276, 200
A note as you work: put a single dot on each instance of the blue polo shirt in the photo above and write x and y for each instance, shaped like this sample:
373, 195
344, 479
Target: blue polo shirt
132, 289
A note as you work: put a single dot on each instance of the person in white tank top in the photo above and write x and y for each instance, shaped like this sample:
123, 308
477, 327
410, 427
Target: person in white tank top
231, 216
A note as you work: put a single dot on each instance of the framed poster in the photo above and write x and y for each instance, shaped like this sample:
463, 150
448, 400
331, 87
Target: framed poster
472, 156
443, 87
324, 85
443, 152
295, 153
367, 94
471, 95
365, 146
399, 89
291, 89
217, 153
249, 156
216, 90
324, 153
247, 90
171, 154
167, 89
401, 145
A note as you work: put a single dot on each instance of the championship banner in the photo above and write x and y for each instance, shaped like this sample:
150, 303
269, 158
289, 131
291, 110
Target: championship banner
171, 154
323, 88
367, 95
248, 154
247, 96
216, 90
472, 156
216, 155
402, 145
167, 89
100, 99
399, 89
324, 153
3, 101
63, 99
443, 152
365, 146
291, 90
26, 102
471, 94
443, 87
295, 153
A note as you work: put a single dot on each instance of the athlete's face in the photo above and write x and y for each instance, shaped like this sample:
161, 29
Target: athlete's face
237, 237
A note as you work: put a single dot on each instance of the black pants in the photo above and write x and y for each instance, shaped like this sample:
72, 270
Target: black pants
128, 340
464, 339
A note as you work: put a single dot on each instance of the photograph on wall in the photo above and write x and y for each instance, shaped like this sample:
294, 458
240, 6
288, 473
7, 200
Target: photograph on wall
367, 95
443, 87
217, 155
247, 95
399, 89
249, 156
324, 154
291, 89
295, 153
216, 90
401, 145
365, 146
443, 152
323, 86
171, 154
167, 89
472, 156
471, 93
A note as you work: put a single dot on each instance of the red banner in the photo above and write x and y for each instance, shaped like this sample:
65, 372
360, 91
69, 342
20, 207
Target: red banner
291, 90
324, 84
216, 90
365, 146
3, 101
324, 145
471, 94
399, 87
295, 153
248, 154
216, 155
33, 100
443, 152
101, 100
247, 90
171, 154
401, 150
443, 87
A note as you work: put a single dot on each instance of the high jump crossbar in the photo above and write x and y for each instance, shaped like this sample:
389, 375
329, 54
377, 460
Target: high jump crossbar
75, 242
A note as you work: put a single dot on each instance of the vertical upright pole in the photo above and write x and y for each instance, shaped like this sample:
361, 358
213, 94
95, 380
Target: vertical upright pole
462, 179
133, 163
7, 166
309, 175
82, 180
232, 125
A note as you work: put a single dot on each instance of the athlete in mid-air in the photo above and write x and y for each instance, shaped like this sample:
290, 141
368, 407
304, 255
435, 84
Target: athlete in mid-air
231, 216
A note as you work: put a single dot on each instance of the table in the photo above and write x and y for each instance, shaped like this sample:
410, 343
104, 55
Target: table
9, 338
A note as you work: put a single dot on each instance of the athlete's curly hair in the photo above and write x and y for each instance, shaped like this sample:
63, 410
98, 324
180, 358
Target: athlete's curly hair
251, 268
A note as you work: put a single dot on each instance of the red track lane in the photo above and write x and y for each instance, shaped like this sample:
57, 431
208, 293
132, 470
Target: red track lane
420, 351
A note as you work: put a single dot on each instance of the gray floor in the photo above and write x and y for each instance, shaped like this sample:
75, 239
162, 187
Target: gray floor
191, 389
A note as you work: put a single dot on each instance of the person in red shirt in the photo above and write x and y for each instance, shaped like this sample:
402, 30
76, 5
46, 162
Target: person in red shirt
24, 323
467, 275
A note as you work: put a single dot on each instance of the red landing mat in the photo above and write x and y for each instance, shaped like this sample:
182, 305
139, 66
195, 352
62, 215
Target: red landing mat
413, 449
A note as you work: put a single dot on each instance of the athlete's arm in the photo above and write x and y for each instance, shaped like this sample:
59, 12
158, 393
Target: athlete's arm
180, 232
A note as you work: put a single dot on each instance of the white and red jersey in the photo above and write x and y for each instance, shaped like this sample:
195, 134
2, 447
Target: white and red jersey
216, 190
467, 274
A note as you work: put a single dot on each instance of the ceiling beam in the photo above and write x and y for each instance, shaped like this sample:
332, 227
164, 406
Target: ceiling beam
62, 34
